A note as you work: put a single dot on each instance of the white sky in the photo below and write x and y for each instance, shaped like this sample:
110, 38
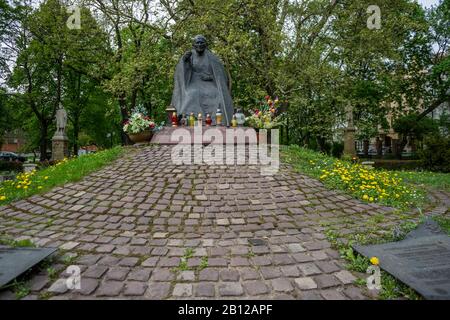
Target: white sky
428, 3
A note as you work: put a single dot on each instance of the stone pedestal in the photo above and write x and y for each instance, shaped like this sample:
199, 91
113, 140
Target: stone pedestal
349, 142
60, 147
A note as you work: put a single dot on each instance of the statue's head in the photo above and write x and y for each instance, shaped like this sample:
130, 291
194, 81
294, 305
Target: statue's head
200, 44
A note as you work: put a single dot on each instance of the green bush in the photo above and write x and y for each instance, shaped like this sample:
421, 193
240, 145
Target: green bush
337, 149
10, 166
435, 155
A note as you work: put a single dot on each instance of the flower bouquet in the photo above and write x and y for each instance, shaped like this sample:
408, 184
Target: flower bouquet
139, 127
266, 117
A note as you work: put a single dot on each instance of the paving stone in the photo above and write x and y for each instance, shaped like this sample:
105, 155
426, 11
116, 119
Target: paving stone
208, 274
142, 274
150, 262
332, 295
95, 272
135, 288
204, 290
231, 289
87, 286
160, 251
354, 293
217, 262
69, 245
327, 267
162, 275
157, 290
229, 275
345, 277
110, 289
255, 288
38, 283
290, 271
305, 283
309, 269
186, 276
129, 262
249, 274
282, 285
270, 272
182, 290
58, 287
295, 247
326, 281
118, 274
261, 261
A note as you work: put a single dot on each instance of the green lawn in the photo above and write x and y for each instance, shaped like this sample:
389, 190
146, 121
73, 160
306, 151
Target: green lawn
394, 188
440, 181
68, 170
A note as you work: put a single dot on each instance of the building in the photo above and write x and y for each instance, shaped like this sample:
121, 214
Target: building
13, 141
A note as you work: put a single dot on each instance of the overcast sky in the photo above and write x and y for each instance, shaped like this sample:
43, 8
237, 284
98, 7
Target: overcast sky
428, 3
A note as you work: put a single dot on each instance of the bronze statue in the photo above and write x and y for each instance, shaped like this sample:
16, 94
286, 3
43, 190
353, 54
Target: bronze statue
201, 83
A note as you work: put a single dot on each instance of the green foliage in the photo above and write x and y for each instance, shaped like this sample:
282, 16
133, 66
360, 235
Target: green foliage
435, 155
369, 185
409, 125
59, 174
444, 223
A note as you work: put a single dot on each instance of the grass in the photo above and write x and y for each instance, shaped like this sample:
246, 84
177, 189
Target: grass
400, 189
444, 223
26, 243
68, 170
391, 288
436, 180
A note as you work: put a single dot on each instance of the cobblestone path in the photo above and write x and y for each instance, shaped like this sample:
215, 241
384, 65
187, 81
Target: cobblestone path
143, 228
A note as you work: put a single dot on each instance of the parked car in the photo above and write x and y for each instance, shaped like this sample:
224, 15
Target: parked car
11, 156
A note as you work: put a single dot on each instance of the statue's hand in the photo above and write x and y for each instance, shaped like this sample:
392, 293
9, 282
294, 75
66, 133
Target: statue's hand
206, 77
187, 56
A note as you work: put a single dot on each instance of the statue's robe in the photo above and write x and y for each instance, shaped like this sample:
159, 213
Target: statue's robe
192, 94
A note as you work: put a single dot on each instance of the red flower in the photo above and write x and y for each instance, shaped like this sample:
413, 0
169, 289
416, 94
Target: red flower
267, 97
152, 125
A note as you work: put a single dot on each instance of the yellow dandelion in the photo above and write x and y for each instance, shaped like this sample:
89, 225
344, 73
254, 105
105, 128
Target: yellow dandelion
374, 261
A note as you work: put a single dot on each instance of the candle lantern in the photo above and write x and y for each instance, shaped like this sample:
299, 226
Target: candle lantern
218, 117
234, 122
191, 120
240, 117
169, 111
208, 120
174, 119
183, 121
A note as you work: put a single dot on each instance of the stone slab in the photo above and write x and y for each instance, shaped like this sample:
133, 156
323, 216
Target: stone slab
421, 260
204, 136
15, 261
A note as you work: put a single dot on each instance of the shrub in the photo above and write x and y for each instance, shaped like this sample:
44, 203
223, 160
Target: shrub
337, 149
10, 166
435, 155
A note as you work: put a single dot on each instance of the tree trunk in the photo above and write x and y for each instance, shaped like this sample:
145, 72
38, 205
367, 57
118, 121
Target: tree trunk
366, 148
76, 133
321, 144
43, 142
124, 114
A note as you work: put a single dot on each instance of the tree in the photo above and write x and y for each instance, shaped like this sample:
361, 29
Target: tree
47, 52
